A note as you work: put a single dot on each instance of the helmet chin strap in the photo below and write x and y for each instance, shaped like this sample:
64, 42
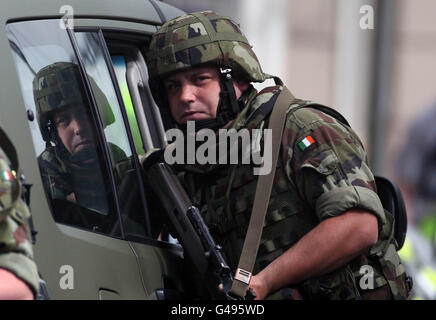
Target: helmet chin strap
228, 106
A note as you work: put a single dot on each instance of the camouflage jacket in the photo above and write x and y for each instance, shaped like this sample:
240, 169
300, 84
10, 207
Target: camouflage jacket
16, 254
313, 182
84, 185
64, 180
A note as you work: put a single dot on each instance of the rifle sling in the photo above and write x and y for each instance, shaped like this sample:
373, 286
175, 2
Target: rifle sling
263, 191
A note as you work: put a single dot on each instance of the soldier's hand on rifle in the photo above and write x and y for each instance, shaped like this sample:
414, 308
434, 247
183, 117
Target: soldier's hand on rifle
256, 286
259, 286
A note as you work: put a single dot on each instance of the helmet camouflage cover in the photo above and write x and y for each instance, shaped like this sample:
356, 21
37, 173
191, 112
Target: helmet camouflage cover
200, 38
54, 87
59, 85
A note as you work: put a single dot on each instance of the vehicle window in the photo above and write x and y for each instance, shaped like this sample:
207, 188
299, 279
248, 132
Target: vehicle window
66, 139
121, 153
144, 116
120, 69
132, 76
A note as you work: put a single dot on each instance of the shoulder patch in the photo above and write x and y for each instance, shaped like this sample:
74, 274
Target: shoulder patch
306, 143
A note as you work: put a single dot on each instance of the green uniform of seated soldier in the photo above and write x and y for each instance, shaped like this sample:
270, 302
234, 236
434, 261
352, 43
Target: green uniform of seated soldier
325, 225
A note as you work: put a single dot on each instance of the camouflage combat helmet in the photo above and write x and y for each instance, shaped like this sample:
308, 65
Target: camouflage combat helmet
59, 85
54, 87
196, 39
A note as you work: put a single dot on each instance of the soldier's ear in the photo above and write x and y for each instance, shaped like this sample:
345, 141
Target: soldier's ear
240, 86
243, 84
240, 80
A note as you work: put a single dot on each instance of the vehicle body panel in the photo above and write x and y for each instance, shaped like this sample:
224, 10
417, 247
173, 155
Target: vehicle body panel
104, 266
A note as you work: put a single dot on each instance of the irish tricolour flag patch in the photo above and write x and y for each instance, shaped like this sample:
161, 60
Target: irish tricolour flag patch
306, 143
6, 175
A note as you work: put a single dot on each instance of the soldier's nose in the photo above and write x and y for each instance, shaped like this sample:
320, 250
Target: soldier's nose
187, 93
76, 126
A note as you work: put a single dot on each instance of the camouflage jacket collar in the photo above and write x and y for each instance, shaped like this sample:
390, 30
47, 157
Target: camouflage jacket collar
258, 106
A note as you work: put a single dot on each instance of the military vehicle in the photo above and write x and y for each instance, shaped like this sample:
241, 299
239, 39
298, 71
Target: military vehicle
98, 233
109, 253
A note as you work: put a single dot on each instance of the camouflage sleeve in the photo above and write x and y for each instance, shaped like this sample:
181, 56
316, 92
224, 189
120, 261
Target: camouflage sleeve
16, 253
328, 164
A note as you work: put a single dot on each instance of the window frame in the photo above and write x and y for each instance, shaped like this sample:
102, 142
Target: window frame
128, 38
93, 117
136, 39
96, 118
102, 42
132, 53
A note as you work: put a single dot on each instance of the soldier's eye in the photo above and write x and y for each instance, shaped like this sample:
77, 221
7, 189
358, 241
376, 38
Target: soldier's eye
171, 86
201, 78
62, 120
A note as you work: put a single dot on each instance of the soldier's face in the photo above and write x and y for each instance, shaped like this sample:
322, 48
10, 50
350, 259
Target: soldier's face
194, 94
73, 129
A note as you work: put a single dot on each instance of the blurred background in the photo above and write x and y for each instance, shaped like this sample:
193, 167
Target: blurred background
375, 62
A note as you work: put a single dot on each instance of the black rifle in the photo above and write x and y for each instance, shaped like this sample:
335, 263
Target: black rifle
191, 231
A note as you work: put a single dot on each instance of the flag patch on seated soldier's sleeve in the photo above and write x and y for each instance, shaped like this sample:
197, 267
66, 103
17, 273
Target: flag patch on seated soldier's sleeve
6, 175
306, 143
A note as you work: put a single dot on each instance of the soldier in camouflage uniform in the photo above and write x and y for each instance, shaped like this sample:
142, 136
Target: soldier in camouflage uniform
18, 272
325, 226
69, 165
